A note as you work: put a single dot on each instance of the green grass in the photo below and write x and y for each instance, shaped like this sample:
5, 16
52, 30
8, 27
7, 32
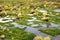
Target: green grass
17, 34
9, 6
51, 31
36, 4
8, 24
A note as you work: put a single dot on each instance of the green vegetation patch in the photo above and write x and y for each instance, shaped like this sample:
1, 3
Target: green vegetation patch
15, 34
51, 31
